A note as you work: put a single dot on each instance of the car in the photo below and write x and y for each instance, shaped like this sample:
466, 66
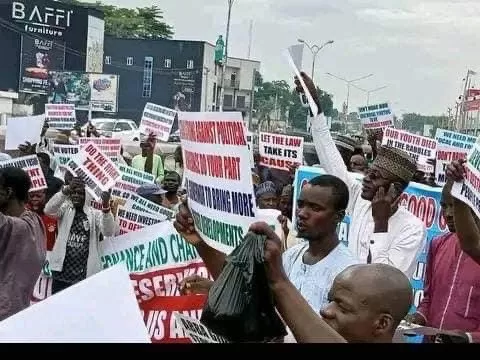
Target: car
124, 129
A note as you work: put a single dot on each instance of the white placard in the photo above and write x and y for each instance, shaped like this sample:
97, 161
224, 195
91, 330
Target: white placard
101, 309
60, 116
279, 151
376, 116
197, 332
22, 129
157, 120
219, 178
32, 166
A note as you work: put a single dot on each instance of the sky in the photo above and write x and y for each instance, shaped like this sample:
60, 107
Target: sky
420, 49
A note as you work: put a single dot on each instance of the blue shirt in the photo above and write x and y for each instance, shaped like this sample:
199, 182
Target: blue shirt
314, 281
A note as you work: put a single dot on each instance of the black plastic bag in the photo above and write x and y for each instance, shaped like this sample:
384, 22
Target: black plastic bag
239, 305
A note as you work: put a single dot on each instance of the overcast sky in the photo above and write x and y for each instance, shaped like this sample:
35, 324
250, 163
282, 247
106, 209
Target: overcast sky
421, 49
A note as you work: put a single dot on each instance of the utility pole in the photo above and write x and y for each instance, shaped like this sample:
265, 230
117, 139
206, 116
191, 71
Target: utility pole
250, 39
207, 72
224, 64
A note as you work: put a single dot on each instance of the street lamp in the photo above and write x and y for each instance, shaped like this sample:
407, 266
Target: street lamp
349, 83
224, 64
315, 49
368, 92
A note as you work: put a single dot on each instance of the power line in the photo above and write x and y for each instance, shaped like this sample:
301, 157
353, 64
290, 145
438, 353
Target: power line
159, 71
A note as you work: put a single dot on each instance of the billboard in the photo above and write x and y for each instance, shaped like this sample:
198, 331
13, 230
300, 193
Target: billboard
83, 89
37, 57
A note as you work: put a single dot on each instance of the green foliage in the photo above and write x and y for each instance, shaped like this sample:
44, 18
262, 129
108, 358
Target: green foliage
287, 101
141, 23
414, 122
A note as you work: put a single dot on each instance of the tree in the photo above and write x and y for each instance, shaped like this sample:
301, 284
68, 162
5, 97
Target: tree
141, 23
298, 114
271, 96
414, 122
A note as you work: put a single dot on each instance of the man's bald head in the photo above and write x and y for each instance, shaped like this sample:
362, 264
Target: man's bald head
387, 287
368, 302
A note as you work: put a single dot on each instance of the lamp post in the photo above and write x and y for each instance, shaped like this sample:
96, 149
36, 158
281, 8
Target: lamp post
368, 92
349, 83
314, 49
224, 64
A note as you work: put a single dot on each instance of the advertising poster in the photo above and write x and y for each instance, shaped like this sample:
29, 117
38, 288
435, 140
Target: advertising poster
70, 87
183, 91
103, 90
37, 58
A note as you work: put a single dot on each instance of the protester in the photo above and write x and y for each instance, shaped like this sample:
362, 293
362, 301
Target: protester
148, 161
345, 146
75, 255
22, 236
152, 192
467, 223
36, 203
178, 162
312, 265
358, 164
266, 196
366, 302
171, 184
54, 184
439, 309
380, 231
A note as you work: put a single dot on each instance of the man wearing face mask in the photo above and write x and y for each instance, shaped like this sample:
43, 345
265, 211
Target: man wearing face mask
75, 255
22, 239
148, 161
380, 231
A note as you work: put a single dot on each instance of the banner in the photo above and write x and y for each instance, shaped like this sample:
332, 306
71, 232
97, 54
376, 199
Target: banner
37, 58
468, 191
376, 116
110, 147
157, 120
279, 151
421, 200
104, 92
62, 155
445, 155
131, 220
97, 170
32, 167
131, 178
82, 89
219, 178
454, 139
197, 332
133, 201
60, 116
420, 148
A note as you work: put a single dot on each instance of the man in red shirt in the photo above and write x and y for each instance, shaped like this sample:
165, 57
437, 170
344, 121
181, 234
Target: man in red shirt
452, 283
36, 203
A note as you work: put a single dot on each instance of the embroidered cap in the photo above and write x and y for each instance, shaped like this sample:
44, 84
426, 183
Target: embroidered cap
345, 142
267, 187
396, 162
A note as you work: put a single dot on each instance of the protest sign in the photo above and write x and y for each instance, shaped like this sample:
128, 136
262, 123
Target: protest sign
158, 314
112, 311
454, 139
133, 219
219, 178
420, 148
60, 116
445, 155
132, 201
110, 147
31, 165
197, 332
22, 129
421, 200
468, 191
376, 116
96, 169
280, 151
158, 120
131, 179
62, 155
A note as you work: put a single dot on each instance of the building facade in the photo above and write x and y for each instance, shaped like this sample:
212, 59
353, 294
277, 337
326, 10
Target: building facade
44, 35
179, 74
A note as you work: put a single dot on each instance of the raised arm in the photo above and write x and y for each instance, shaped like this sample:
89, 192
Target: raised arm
55, 206
327, 152
214, 260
